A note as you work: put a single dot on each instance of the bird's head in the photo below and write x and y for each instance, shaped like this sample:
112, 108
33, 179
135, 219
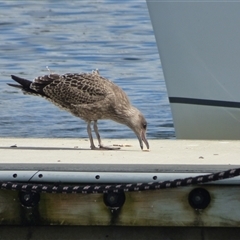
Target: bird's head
138, 124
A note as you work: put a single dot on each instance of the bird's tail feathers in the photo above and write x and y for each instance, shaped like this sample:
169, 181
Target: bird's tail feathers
15, 85
25, 84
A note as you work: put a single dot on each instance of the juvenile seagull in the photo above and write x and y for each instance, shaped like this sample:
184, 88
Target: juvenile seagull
90, 97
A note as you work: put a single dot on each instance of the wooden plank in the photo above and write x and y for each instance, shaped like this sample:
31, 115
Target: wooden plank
168, 207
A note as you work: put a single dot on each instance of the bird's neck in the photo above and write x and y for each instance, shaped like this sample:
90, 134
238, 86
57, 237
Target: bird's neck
125, 115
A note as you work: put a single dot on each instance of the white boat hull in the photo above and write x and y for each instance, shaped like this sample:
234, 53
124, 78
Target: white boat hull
199, 47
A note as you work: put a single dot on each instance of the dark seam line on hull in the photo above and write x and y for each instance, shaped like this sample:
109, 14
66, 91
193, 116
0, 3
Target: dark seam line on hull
204, 102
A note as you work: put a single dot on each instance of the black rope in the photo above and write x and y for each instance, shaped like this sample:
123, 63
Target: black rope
86, 189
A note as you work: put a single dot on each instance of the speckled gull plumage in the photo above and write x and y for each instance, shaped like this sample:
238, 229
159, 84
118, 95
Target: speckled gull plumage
90, 97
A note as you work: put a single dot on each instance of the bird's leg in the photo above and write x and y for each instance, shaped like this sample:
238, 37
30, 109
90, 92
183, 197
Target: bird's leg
89, 130
101, 146
97, 133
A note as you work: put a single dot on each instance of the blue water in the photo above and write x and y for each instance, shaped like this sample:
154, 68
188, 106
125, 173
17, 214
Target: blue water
115, 37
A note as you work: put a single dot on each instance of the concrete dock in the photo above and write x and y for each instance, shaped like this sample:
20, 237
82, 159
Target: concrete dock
77, 151
144, 214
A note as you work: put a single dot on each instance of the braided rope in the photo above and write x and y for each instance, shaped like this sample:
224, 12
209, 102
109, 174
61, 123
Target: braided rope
87, 189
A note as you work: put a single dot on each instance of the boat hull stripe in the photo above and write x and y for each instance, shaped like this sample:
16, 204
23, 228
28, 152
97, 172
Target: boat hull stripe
204, 102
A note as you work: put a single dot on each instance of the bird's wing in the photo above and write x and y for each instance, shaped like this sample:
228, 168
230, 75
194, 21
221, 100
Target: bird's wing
75, 89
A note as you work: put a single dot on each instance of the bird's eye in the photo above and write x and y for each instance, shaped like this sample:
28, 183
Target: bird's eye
144, 125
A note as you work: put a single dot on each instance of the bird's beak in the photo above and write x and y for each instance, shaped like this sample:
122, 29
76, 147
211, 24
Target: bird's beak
144, 139
141, 135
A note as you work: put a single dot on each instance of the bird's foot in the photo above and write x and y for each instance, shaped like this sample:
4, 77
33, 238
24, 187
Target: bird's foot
145, 150
108, 147
101, 147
